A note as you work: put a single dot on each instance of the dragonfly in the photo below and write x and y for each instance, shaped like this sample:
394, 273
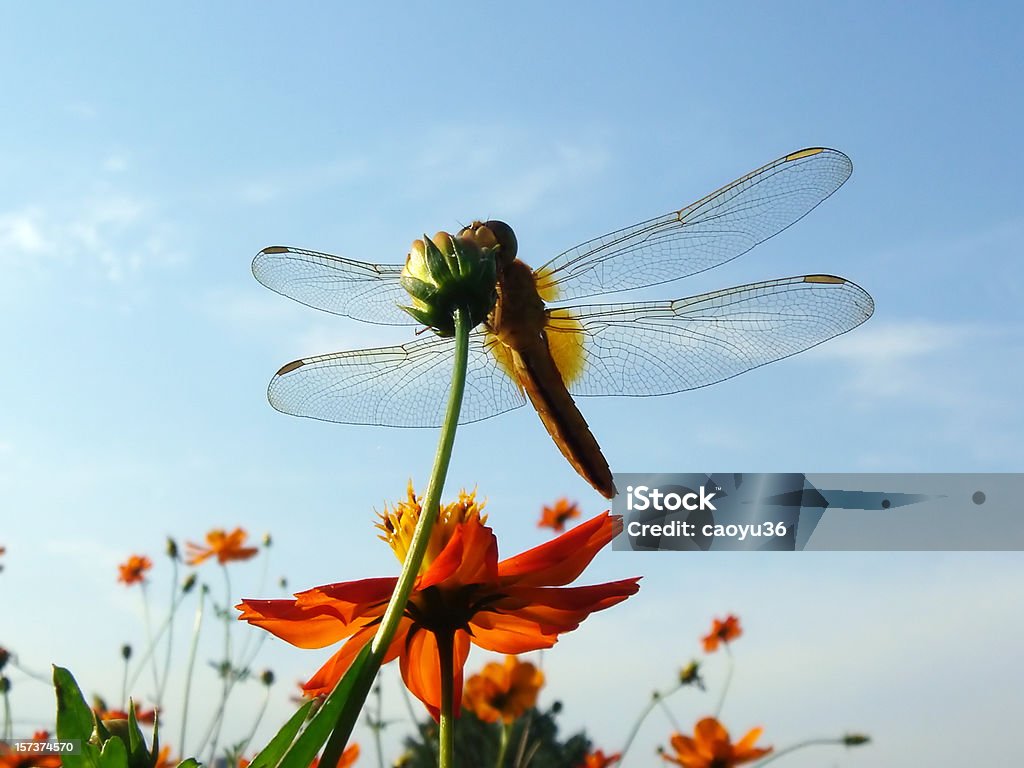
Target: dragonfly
580, 350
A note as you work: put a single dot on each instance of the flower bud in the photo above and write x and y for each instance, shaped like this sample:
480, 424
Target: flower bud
445, 273
855, 739
267, 677
5, 684
126, 651
190, 581
172, 548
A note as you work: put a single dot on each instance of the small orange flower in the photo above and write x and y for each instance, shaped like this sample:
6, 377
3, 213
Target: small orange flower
503, 691
557, 516
11, 759
710, 747
599, 759
722, 632
163, 760
226, 546
134, 571
462, 592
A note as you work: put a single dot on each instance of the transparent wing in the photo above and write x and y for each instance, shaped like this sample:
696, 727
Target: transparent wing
402, 386
368, 292
710, 232
657, 348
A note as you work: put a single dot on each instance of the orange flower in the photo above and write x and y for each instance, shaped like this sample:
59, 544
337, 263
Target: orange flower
163, 760
462, 591
722, 632
11, 759
710, 747
557, 516
134, 571
226, 546
599, 759
503, 691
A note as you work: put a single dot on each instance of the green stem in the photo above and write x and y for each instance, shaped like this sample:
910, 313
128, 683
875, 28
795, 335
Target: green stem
150, 637
175, 602
227, 671
446, 655
191, 667
809, 743
378, 725
503, 744
259, 719
417, 549
8, 720
728, 680
668, 714
655, 698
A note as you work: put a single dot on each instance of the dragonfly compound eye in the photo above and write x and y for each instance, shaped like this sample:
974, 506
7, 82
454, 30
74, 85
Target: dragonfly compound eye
506, 239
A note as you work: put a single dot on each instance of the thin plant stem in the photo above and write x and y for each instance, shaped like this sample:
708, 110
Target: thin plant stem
175, 602
648, 708
378, 725
227, 670
249, 637
728, 681
148, 653
190, 667
668, 713
124, 682
8, 722
809, 743
259, 719
424, 733
446, 657
149, 636
32, 674
417, 546
503, 744
521, 749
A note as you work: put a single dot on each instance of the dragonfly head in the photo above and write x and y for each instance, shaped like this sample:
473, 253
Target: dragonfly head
494, 233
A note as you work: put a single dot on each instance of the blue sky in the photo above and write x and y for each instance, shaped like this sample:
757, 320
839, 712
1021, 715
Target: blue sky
148, 154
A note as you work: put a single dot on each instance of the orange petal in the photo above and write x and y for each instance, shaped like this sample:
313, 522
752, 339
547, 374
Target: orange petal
329, 674
562, 559
504, 633
313, 627
469, 557
349, 599
421, 667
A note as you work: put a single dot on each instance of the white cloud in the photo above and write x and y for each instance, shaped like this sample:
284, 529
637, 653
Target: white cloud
116, 234
894, 360
21, 232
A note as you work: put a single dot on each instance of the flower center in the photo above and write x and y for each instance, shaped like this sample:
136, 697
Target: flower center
398, 523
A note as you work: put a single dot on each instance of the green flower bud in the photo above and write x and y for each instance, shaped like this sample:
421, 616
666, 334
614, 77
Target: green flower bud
444, 273
267, 677
126, 651
172, 548
855, 739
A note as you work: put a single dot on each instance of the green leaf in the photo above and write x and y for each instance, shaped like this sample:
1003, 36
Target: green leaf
74, 720
271, 754
190, 762
342, 707
138, 754
114, 755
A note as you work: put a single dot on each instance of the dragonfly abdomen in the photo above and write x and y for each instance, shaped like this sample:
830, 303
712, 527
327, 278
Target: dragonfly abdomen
539, 377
